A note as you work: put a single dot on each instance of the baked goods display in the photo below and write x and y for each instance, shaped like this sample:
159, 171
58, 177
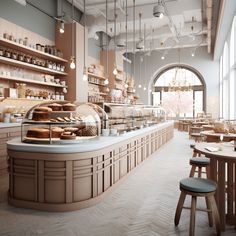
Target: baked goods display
56, 132
38, 133
41, 114
68, 135
60, 122
69, 107
55, 107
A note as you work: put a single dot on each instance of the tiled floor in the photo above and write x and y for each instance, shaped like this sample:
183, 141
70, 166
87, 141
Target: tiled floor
143, 205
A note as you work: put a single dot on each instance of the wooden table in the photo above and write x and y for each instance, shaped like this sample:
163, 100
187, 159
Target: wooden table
223, 171
211, 136
208, 127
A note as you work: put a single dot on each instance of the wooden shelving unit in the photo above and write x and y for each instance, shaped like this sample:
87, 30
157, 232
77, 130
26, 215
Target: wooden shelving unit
25, 65
103, 85
31, 51
31, 81
96, 76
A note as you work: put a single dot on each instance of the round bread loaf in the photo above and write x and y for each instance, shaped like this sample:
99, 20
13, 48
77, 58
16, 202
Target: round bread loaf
56, 132
38, 133
68, 135
69, 107
55, 106
71, 129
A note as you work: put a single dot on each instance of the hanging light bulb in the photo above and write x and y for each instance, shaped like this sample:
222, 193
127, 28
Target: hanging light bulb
115, 71
144, 88
72, 63
126, 85
134, 90
85, 75
62, 27
106, 81
150, 90
162, 57
140, 86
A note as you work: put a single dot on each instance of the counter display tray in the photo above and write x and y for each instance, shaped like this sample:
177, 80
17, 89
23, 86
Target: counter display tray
58, 140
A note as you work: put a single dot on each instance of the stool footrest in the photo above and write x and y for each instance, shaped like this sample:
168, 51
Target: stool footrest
198, 209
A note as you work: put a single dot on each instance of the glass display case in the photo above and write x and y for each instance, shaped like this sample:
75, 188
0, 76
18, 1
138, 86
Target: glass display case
124, 117
63, 122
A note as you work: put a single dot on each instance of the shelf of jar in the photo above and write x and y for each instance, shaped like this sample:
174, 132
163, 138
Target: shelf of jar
31, 51
32, 81
30, 99
99, 93
97, 76
26, 65
103, 85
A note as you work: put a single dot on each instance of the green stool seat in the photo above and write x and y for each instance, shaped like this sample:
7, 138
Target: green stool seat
199, 161
198, 185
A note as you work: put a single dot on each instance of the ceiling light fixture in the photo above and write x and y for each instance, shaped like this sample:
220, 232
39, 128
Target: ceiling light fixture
139, 45
115, 72
106, 81
85, 74
62, 27
72, 59
159, 10
162, 57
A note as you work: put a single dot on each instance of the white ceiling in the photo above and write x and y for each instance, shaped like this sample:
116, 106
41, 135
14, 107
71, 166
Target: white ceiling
184, 24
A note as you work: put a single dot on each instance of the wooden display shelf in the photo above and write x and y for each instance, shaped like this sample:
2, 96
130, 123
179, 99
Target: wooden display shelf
103, 85
99, 93
97, 76
31, 81
119, 79
26, 99
31, 51
25, 65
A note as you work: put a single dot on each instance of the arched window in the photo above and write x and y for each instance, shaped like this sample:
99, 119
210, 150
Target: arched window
225, 70
180, 90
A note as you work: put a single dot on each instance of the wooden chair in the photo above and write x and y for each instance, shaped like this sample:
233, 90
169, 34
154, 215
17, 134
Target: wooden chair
198, 187
198, 164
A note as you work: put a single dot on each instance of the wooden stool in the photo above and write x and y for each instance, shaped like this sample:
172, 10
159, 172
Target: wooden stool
195, 153
198, 187
197, 137
199, 163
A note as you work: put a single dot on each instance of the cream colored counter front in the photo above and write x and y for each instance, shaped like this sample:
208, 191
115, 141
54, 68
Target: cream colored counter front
73, 176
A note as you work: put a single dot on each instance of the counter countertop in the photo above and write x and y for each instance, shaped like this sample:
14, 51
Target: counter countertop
9, 125
92, 145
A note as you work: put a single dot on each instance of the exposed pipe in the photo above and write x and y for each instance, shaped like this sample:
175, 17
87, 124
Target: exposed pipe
209, 5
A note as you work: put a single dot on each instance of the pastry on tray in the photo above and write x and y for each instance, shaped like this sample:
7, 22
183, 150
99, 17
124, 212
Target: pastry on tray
69, 107
67, 119
68, 135
38, 133
41, 114
60, 119
56, 132
55, 106
71, 129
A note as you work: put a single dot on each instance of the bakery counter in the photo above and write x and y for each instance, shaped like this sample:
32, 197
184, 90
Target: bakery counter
68, 177
9, 125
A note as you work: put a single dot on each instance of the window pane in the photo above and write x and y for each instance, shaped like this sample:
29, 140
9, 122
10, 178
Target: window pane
178, 104
198, 102
156, 98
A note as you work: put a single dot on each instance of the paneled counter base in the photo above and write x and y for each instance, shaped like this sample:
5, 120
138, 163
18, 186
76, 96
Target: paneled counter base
70, 177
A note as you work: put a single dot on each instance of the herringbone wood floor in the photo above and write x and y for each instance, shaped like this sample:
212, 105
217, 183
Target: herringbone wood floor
143, 205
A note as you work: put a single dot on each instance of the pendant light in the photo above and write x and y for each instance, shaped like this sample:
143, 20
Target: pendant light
106, 81
134, 42
139, 45
126, 40
62, 27
145, 58
72, 59
85, 75
115, 71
